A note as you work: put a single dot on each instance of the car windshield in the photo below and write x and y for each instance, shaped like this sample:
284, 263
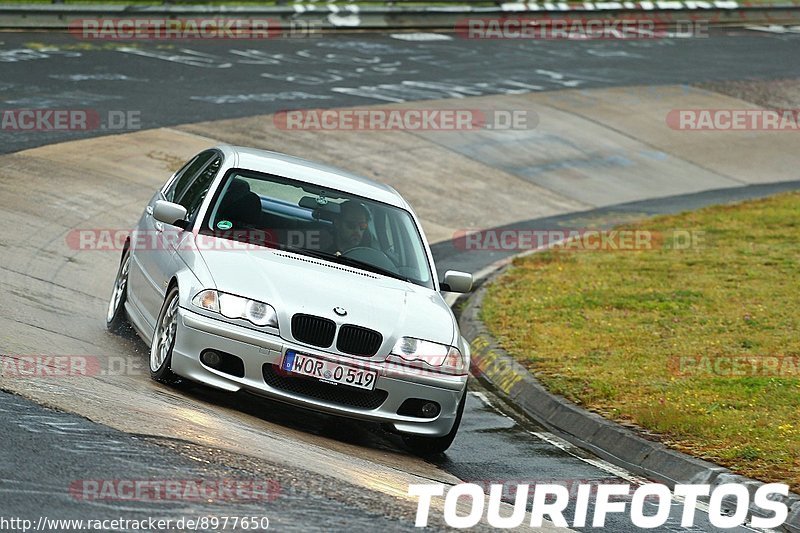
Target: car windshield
300, 217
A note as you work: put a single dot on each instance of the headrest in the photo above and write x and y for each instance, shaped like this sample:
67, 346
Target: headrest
237, 189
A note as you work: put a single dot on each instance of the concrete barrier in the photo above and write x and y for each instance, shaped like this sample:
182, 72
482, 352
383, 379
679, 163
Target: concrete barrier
356, 17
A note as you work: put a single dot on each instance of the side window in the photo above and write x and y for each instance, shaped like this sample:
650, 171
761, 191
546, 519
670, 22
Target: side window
192, 197
186, 175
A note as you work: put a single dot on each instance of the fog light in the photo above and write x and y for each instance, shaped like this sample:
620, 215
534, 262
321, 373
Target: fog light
430, 409
223, 362
419, 407
211, 359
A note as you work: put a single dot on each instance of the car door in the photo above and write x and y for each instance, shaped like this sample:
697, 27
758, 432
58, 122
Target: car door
154, 258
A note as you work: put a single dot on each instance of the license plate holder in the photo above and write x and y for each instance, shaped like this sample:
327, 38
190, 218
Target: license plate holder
328, 371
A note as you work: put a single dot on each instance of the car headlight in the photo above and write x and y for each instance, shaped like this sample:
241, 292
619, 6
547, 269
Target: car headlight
231, 306
428, 355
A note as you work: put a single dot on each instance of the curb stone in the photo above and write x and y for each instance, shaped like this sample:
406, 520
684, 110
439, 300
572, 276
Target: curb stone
589, 431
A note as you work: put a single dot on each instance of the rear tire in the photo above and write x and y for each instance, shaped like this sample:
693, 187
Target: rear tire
164, 340
428, 446
116, 319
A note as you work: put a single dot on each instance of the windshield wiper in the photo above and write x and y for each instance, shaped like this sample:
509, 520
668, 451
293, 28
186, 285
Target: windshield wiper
341, 259
369, 266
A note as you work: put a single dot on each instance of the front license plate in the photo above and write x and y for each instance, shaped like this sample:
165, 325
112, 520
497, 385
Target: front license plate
327, 371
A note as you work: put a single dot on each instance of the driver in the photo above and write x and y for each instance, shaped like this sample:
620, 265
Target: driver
351, 227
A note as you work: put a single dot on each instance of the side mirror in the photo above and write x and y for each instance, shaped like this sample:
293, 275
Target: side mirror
169, 213
455, 281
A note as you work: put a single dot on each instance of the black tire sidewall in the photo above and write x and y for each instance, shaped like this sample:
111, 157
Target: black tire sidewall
164, 373
118, 320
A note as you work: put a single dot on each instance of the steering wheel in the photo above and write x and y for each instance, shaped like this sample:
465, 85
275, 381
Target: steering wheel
371, 256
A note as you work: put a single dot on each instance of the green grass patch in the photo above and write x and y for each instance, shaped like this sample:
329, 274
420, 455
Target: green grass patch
650, 336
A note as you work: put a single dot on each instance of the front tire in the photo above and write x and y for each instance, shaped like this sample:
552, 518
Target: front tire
164, 340
116, 320
428, 446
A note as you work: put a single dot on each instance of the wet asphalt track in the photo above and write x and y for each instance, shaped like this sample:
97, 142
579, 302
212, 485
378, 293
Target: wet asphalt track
167, 84
49, 460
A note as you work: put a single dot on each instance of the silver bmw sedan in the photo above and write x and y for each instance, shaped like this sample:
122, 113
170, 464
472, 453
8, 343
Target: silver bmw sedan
253, 270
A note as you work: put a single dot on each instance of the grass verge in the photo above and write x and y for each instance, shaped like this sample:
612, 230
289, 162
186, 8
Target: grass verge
698, 344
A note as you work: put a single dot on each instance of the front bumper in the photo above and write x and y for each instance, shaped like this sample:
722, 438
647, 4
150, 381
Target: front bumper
256, 349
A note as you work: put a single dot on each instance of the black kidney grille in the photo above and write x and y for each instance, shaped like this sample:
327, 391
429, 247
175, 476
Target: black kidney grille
313, 330
359, 341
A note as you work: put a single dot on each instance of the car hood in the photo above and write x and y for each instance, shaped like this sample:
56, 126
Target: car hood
294, 283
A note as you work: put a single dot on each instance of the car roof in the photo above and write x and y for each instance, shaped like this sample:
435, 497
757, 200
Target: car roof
299, 169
